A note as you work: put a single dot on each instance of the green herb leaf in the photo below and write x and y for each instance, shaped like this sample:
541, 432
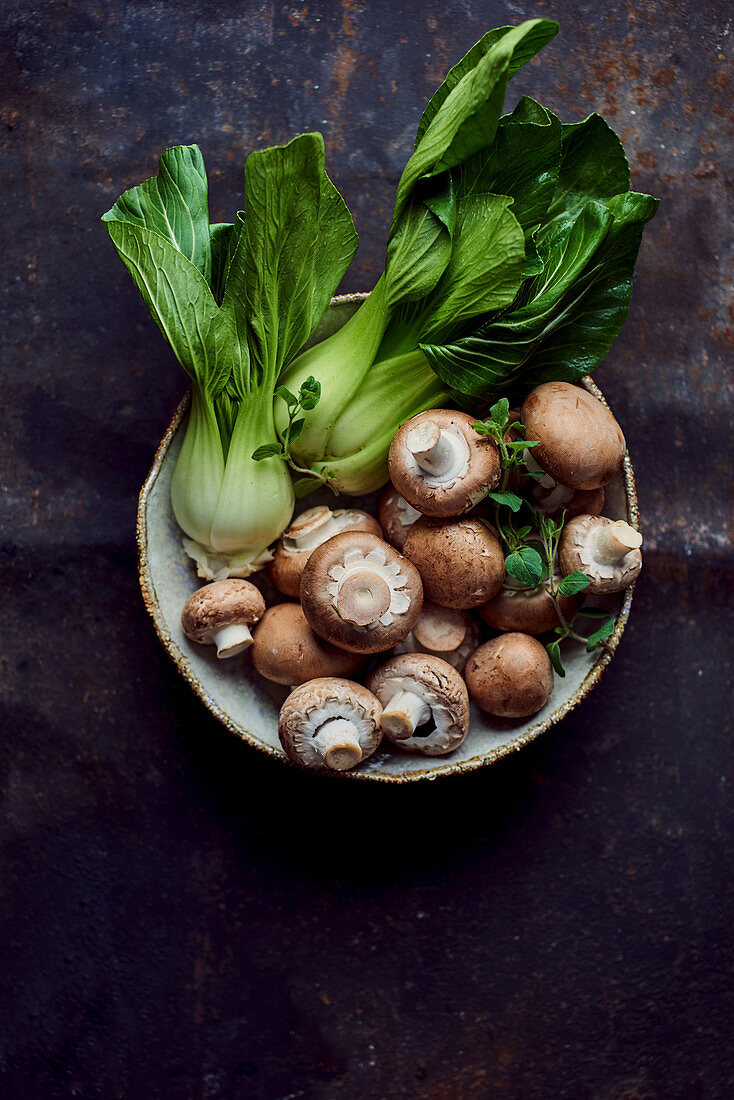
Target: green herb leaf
600, 635
302, 486
523, 531
309, 393
573, 583
482, 428
295, 430
553, 650
266, 451
500, 412
285, 395
525, 565
509, 500
593, 613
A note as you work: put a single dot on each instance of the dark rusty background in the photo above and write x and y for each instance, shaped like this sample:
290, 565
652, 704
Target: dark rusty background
182, 919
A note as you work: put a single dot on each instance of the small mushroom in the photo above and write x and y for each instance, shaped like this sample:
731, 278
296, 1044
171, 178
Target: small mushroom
425, 703
330, 723
359, 593
460, 561
607, 550
553, 499
286, 650
581, 445
396, 516
441, 465
445, 632
528, 610
221, 614
309, 530
510, 676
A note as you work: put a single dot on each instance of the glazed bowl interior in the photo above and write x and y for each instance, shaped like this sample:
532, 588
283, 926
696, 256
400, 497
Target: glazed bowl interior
248, 705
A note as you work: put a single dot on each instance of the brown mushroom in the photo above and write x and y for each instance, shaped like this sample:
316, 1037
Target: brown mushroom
510, 676
460, 561
528, 610
607, 550
425, 703
554, 499
221, 614
396, 516
329, 723
445, 632
442, 466
581, 445
306, 532
359, 593
286, 650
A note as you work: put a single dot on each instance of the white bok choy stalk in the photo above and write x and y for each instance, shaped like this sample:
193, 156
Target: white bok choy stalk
235, 302
456, 251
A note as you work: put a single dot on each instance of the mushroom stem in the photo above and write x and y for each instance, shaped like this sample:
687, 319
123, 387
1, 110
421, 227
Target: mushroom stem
404, 713
362, 598
614, 540
231, 640
559, 495
440, 453
546, 480
338, 743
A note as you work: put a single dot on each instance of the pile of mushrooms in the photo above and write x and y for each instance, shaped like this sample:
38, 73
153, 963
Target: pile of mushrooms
394, 599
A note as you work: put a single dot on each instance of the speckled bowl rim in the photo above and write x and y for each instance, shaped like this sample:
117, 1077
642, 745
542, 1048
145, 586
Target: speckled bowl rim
440, 770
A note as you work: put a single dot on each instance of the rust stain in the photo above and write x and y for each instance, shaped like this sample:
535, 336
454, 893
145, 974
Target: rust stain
646, 160
345, 61
663, 77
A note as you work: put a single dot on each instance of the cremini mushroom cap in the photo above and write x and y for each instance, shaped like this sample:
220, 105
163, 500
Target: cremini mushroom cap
330, 724
359, 593
446, 632
286, 650
442, 466
528, 610
221, 613
510, 676
425, 703
607, 550
396, 516
307, 531
581, 444
460, 561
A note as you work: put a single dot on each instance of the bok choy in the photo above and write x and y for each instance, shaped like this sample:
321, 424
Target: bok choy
509, 262
235, 302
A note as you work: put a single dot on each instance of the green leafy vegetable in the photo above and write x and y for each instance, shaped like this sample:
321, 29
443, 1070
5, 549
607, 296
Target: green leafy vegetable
568, 314
235, 302
456, 250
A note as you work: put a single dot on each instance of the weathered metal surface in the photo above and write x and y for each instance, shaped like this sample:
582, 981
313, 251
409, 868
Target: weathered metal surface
180, 917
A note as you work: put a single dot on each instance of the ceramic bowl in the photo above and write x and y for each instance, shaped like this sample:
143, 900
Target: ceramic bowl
248, 705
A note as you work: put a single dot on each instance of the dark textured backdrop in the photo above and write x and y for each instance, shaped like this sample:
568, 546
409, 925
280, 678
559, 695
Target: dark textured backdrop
182, 919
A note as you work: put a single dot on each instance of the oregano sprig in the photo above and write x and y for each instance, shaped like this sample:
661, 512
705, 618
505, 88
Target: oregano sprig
531, 559
570, 585
523, 562
307, 399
